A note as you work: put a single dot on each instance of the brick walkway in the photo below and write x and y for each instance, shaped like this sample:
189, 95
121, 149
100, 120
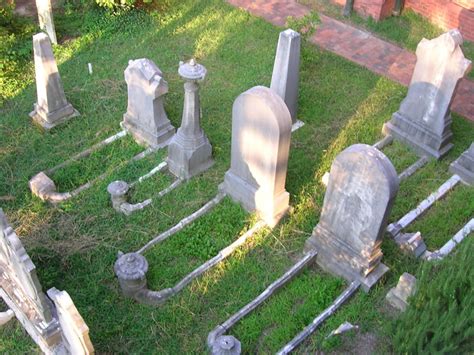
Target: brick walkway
358, 46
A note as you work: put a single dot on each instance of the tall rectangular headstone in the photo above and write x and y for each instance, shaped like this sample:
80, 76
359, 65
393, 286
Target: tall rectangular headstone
56, 327
146, 119
261, 132
286, 70
51, 107
361, 190
45, 18
423, 120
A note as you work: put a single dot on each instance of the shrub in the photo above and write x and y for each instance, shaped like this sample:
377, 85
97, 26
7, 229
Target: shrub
441, 314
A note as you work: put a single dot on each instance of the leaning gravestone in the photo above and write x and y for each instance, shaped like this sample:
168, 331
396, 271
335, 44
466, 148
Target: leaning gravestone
261, 132
45, 17
190, 152
361, 190
53, 326
464, 166
51, 107
423, 120
285, 77
146, 118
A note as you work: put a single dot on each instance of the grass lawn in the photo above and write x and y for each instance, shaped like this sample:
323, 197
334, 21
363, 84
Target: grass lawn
405, 30
74, 245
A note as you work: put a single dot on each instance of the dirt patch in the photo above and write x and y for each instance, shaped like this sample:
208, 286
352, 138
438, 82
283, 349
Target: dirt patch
361, 344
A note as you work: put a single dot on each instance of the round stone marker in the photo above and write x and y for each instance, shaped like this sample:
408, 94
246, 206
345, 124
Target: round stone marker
131, 266
117, 188
226, 345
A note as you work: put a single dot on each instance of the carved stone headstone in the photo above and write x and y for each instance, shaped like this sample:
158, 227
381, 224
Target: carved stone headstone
398, 296
286, 70
51, 107
464, 166
362, 187
189, 152
261, 133
146, 118
45, 17
74, 330
56, 328
423, 120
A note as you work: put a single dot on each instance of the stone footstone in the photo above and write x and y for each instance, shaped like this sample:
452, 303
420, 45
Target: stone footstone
118, 193
261, 133
398, 296
226, 345
146, 118
51, 107
423, 120
464, 166
285, 77
411, 243
361, 190
131, 269
190, 152
42, 186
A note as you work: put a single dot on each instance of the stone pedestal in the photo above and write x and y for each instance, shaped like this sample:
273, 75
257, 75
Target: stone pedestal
424, 120
226, 345
51, 107
286, 70
190, 152
261, 132
398, 296
464, 166
362, 187
146, 119
45, 18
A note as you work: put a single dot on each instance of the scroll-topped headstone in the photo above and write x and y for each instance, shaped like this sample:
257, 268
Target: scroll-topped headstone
146, 119
190, 152
57, 328
51, 107
464, 166
285, 77
261, 132
424, 120
45, 17
362, 187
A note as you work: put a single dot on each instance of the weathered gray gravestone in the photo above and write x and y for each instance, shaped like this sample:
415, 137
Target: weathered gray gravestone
464, 166
56, 327
286, 70
361, 189
51, 107
398, 296
45, 17
423, 120
261, 132
189, 152
146, 118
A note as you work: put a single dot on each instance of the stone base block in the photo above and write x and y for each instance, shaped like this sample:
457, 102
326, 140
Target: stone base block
185, 162
148, 137
271, 211
49, 120
398, 296
41, 185
411, 243
340, 260
418, 137
464, 166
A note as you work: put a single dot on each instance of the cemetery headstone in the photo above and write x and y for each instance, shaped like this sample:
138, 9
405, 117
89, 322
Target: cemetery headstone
361, 190
146, 119
423, 120
285, 77
464, 166
56, 327
51, 107
189, 152
45, 17
261, 133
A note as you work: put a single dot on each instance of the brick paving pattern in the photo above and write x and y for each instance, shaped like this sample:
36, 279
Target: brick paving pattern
357, 45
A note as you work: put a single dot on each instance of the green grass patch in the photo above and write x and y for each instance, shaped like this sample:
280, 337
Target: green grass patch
74, 245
